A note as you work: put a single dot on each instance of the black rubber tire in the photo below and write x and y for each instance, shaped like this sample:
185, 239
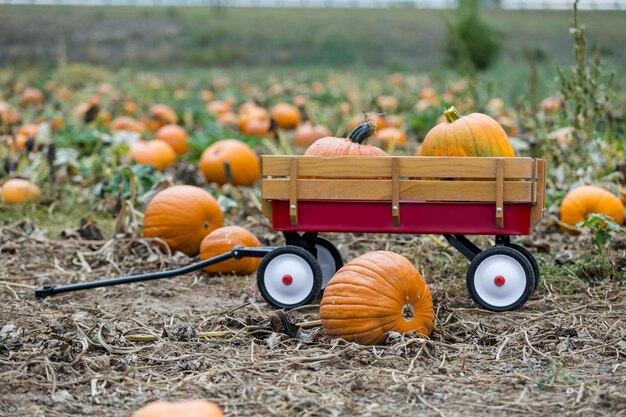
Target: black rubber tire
517, 256
531, 259
334, 252
307, 257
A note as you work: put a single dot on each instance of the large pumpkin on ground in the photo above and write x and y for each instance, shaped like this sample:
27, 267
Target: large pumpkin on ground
185, 408
473, 135
230, 158
588, 199
182, 216
374, 294
157, 153
350, 146
222, 240
19, 191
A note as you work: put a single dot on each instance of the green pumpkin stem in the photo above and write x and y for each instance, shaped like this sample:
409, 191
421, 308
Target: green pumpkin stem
451, 114
362, 131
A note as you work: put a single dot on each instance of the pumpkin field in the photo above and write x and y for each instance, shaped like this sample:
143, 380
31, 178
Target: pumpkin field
110, 169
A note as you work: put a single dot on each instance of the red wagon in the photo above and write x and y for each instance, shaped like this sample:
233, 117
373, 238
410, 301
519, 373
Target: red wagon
308, 195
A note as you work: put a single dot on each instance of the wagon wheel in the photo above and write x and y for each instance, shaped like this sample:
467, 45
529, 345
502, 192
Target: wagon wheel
289, 277
533, 262
329, 259
500, 279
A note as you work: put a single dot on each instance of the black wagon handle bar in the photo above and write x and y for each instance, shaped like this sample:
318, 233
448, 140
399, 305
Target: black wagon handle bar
237, 252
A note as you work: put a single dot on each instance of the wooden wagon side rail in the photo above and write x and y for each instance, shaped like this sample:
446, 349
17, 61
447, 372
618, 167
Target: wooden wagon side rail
396, 179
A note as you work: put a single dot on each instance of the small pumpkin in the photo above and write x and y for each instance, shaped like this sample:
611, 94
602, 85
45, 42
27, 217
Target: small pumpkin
350, 146
19, 191
126, 124
222, 240
286, 116
32, 96
586, 199
228, 119
157, 153
184, 408
230, 160
387, 103
182, 216
161, 115
307, 133
218, 107
175, 136
27, 132
374, 294
473, 135
390, 136
8, 114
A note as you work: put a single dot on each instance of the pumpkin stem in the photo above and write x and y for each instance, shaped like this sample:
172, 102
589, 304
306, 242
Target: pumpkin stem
408, 312
362, 131
451, 114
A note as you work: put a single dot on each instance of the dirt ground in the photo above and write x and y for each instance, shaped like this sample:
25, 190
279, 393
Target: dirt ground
78, 354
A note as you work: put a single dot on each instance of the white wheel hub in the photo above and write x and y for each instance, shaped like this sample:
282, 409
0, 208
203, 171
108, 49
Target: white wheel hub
288, 279
327, 264
500, 280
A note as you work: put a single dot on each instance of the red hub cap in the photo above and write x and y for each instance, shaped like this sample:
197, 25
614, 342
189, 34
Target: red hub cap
287, 279
499, 280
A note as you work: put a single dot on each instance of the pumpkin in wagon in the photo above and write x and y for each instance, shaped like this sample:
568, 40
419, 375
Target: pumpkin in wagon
350, 146
182, 216
224, 239
473, 135
374, 294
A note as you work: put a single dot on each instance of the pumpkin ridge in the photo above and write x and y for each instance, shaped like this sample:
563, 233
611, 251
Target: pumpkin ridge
373, 290
380, 273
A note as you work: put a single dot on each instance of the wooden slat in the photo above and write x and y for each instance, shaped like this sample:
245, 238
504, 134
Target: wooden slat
381, 190
395, 191
536, 212
411, 167
500, 194
293, 191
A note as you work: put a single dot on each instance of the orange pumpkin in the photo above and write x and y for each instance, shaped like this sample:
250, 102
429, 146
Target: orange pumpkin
252, 126
175, 136
230, 158
32, 96
228, 119
157, 153
307, 133
127, 124
286, 116
389, 136
222, 240
184, 408
387, 103
218, 107
19, 191
161, 115
8, 114
473, 135
586, 199
182, 216
374, 294
350, 146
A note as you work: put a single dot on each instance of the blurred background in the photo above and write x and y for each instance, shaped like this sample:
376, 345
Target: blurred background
414, 35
